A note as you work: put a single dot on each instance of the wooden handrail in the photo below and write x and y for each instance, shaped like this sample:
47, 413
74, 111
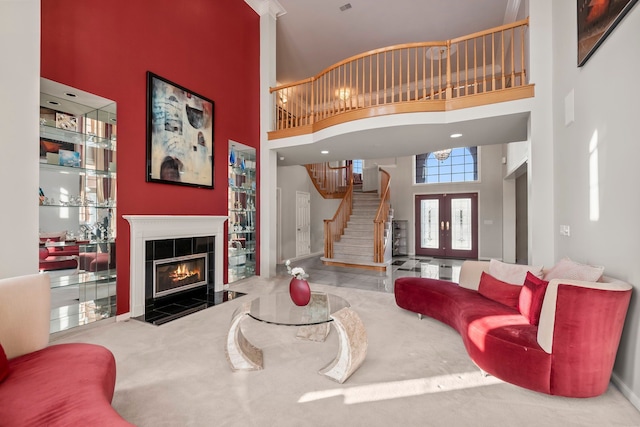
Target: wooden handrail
330, 182
382, 216
334, 227
521, 23
427, 72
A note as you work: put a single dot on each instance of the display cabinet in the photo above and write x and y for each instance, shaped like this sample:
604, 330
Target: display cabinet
77, 216
242, 212
400, 237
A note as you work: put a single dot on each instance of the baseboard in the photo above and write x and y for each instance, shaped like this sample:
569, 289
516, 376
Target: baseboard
315, 254
123, 317
626, 391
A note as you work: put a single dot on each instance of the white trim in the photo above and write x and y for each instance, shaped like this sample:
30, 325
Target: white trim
157, 227
262, 7
626, 391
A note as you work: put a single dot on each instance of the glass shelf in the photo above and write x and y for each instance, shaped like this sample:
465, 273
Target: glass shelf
81, 277
77, 203
245, 190
50, 132
80, 171
242, 211
69, 205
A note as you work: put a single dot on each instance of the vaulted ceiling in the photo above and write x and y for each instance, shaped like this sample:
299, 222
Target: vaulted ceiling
314, 34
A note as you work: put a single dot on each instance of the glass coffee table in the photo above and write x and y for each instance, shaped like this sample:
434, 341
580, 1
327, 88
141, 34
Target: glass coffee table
313, 322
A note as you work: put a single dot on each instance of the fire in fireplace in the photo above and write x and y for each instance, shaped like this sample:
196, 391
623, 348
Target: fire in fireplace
179, 274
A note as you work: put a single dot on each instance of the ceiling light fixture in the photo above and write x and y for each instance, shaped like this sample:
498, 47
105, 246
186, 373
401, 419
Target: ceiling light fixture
440, 52
53, 102
344, 93
442, 155
455, 135
70, 95
324, 152
345, 7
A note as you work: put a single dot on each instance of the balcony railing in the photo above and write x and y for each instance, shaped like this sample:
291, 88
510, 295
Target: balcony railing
478, 69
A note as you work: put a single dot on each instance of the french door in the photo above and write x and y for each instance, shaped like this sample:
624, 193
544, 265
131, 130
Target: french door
447, 225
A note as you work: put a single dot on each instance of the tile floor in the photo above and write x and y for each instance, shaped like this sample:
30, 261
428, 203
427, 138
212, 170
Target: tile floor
403, 266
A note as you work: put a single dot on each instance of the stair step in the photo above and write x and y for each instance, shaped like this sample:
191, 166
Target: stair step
364, 240
357, 233
360, 226
352, 258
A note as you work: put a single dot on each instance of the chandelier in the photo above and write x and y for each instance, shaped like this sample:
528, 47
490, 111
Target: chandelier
442, 155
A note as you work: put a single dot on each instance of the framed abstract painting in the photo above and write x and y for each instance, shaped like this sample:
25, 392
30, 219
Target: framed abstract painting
596, 20
179, 134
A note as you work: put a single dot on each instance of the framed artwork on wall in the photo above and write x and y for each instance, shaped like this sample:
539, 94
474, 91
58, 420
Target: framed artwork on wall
596, 20
179, 134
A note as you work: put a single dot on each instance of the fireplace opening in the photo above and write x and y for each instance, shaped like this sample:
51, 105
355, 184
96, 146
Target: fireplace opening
179, 274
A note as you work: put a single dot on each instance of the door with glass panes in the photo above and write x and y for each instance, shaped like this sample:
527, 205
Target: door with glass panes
447, 225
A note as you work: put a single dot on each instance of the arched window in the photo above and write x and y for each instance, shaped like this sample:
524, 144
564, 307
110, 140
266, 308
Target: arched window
460, 166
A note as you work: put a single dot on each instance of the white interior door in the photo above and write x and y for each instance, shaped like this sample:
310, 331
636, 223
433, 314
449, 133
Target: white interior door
303, 221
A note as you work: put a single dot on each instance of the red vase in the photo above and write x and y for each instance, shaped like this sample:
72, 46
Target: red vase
299, 291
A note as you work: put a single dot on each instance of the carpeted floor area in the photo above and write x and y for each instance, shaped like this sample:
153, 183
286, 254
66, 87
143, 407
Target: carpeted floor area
416, 373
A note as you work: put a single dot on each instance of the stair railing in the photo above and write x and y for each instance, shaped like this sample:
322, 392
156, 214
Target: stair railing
334, 227
423, 76
382, 217
331, 182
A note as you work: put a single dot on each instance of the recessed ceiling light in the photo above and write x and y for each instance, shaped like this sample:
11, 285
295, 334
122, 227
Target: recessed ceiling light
324, 152
345, 7
70, 95
455, 135
53, 102
113, 120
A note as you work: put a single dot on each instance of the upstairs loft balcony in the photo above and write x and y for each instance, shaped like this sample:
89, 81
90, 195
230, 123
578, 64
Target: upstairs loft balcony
478, 69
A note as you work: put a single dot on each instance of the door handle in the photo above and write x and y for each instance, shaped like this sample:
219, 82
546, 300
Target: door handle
442, 225
447, 225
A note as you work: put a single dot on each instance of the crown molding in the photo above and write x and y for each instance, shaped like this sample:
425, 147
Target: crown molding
263, 7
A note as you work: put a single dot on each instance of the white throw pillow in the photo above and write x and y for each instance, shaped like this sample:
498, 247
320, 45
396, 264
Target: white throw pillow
513, 273
568, 269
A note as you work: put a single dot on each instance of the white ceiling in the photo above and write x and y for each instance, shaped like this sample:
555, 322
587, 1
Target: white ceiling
314, 34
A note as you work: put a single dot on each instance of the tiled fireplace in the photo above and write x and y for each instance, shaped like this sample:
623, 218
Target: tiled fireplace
173, 257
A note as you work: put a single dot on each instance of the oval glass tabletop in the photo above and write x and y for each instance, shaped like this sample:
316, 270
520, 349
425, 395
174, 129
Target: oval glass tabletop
277, 308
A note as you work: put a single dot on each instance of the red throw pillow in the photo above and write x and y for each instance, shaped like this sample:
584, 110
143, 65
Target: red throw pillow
4, 364
531, 297
499, 291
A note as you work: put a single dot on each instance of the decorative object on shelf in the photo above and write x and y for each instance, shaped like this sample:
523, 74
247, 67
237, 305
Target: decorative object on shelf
596, 20
299, 289
232, 157
179, 135
66, 121
69, 158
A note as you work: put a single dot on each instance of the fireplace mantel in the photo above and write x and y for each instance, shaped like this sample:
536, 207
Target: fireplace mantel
157, 227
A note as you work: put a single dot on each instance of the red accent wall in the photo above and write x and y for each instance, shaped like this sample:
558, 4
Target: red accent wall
209, 47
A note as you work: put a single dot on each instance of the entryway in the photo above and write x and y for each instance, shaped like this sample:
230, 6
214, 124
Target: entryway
447, 225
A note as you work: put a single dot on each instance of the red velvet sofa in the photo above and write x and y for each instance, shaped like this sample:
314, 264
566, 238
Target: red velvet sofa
570, 352
57, 385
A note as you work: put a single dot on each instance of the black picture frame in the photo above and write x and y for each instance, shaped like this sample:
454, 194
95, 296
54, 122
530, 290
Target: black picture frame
179, 134
596, 20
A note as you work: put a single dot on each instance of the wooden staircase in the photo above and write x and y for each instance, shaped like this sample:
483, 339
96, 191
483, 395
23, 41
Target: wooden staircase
356, 244
357, 234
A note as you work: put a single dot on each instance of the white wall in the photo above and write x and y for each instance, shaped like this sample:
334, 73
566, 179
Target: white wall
292, 179
540, 165
596, 164
489, 189
20, 95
